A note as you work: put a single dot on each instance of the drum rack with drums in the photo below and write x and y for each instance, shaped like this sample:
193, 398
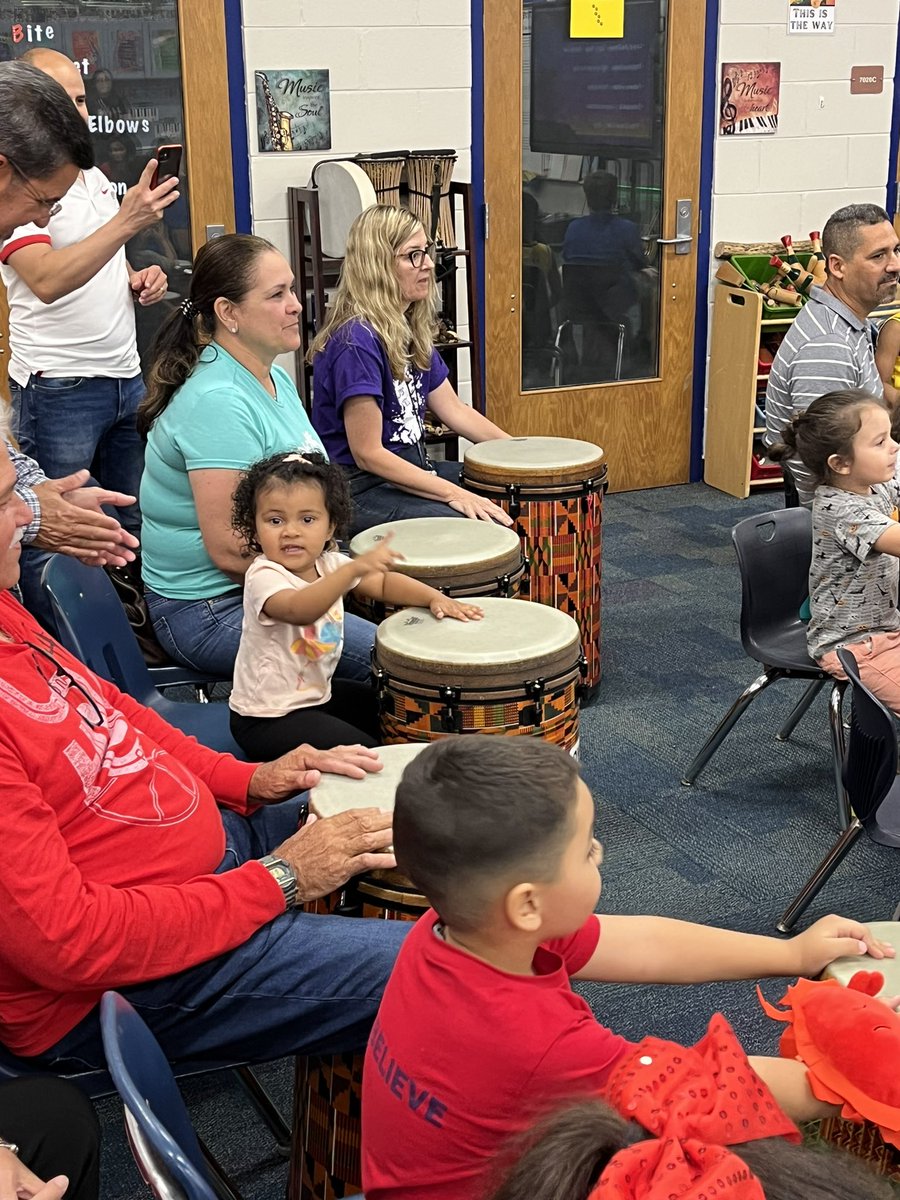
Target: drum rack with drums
315, 272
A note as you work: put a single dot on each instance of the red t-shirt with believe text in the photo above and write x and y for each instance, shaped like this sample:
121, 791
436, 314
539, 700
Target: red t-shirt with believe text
463, 1055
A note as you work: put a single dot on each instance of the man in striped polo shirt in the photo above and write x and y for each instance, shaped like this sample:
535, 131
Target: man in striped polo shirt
829, 345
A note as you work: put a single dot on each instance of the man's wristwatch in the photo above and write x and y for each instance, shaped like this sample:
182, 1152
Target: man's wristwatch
10, 1146
284, 876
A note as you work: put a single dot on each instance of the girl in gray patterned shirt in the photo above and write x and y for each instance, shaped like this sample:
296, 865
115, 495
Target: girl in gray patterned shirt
844, 438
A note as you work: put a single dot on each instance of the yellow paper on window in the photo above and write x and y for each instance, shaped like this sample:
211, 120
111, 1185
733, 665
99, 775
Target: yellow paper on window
597, 18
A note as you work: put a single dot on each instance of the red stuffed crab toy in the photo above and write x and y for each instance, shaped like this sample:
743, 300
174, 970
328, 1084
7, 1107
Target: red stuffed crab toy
849, 1042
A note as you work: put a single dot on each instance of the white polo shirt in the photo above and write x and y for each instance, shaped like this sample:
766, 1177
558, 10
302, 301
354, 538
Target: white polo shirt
90, 332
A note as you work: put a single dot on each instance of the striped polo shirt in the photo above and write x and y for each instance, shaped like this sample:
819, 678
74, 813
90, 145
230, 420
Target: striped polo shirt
826, 349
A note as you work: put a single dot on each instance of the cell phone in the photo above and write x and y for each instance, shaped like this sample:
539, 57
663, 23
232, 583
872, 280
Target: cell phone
168, 164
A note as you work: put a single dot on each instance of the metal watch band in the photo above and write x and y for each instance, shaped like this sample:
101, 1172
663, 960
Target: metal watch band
10, 1146
284, 876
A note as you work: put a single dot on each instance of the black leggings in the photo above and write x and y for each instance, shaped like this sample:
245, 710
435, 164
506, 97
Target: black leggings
351, 715
53, 1124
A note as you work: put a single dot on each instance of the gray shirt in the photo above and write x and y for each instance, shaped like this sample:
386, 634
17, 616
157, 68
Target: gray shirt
826, 349
852, 588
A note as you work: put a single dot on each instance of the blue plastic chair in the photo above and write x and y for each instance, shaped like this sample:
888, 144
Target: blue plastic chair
92, 624
162, 1137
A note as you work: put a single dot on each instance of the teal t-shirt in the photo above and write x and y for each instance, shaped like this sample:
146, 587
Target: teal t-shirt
221, 417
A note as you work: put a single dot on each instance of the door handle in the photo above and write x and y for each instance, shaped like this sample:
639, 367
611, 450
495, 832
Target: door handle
684, 212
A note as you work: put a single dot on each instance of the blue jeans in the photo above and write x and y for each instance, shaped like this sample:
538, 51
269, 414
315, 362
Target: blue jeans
205, 634
375, 501
303, 984
69, 424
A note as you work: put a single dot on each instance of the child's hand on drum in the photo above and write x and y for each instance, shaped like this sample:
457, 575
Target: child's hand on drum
446, 606
378, 560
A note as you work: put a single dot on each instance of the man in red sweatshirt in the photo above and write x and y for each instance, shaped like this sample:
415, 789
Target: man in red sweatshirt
119, 870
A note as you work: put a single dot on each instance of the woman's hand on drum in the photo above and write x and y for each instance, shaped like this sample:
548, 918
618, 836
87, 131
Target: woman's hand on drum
446, 606
324, 854
302, 768
479, 508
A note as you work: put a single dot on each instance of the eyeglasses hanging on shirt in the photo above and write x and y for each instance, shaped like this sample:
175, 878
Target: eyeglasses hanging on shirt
61, 682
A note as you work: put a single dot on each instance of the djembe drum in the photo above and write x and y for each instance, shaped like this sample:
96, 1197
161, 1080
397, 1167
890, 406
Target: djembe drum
428, 177
385, 170
328, 1088
862, 1138
516, 671
553, 489
459, 558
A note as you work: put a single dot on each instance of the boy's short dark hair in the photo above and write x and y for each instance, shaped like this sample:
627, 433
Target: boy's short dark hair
475, 814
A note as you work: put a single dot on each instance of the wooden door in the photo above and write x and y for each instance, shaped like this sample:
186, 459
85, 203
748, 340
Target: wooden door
642, 422
167, 59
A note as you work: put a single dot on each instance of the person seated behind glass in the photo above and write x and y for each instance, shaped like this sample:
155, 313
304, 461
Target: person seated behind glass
601, 237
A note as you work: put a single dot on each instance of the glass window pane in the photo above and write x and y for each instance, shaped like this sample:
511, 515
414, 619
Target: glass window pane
129, 54
592, 168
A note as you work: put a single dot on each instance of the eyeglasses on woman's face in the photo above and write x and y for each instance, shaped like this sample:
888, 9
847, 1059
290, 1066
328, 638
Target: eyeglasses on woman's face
416, 258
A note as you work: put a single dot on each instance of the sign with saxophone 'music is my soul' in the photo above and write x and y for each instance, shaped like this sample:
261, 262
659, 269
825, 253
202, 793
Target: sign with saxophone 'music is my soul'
293, 110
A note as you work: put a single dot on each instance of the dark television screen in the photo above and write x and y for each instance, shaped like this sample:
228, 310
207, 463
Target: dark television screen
593, 94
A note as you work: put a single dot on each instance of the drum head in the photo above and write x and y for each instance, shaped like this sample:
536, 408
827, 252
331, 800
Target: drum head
843, 969
546, 460
345, 191
337, 794
516, 641
445, 549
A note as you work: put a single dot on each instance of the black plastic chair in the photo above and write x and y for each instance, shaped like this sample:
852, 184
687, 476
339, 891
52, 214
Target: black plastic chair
594, 302
873, 788
92, 624
774, 551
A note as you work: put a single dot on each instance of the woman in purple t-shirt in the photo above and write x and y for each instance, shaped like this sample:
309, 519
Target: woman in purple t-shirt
375, 369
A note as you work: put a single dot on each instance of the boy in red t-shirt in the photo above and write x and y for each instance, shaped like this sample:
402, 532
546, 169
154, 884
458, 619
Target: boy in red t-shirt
479, 1028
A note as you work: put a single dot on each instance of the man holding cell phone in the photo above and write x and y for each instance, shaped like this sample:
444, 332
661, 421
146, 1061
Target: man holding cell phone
75, 374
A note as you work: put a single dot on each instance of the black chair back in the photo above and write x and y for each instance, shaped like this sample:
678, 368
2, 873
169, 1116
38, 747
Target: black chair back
774, 551
595, 292
870, 764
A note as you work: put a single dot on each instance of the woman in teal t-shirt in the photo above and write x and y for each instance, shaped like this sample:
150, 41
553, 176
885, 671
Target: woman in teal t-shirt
215, 404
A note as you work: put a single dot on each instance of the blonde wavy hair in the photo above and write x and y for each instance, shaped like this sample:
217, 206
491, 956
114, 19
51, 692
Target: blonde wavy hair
369, 290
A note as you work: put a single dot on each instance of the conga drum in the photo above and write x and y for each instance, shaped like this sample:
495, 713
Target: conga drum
516, 671
325, 1156
862, 1138
553, 489
459, 558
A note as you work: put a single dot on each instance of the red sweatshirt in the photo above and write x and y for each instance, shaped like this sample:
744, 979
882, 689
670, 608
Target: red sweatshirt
109, 837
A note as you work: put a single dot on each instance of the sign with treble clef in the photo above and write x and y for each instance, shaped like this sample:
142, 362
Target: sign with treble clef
749, 98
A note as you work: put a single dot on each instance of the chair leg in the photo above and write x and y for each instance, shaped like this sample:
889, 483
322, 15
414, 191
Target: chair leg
798, 712
262, 1102
819, 877
222, 1183
721, 731
838, 748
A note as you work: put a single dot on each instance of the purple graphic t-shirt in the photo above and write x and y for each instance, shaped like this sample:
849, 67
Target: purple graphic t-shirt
354, 363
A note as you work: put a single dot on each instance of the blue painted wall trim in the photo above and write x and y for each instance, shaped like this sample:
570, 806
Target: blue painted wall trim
477, 24
237, 104
891, 202
704, 235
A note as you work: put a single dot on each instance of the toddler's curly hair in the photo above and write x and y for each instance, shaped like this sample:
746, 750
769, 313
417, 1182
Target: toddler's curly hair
311, 467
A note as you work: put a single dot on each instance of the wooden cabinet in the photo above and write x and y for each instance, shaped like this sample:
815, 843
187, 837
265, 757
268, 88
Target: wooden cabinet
734, 412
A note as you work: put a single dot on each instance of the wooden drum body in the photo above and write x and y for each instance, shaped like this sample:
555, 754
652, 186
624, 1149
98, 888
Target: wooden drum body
517, 671
458, 557
553, 489
325, 1156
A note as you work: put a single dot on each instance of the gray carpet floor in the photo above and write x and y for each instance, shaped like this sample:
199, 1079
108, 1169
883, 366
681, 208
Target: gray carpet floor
730, 851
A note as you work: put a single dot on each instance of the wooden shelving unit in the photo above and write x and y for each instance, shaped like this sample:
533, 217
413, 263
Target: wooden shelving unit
315, 273
735, 386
